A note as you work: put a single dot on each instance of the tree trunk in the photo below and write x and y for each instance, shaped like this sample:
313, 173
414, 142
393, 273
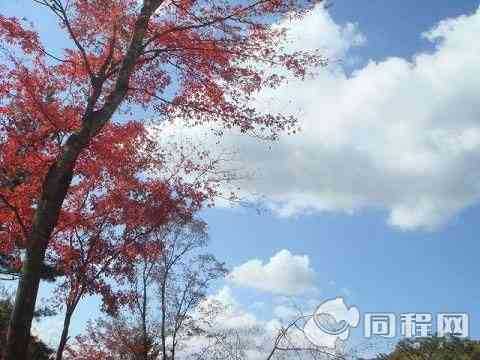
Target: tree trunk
164, 318
18, 337
55, 187
64, 337
144, 315
54, 192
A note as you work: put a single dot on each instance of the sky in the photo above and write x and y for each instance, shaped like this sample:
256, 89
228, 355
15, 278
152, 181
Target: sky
377, 199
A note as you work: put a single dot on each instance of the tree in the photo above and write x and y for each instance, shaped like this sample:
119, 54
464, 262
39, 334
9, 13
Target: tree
185, 59
113, 338
284, 341
435, 348
109, 216
122, 219
37, 350
206, 334
183, 277
172, 274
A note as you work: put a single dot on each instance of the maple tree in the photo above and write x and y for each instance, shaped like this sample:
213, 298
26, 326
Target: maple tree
113, 338
116, 218
186, 59
210, 332
165, 294
109, 210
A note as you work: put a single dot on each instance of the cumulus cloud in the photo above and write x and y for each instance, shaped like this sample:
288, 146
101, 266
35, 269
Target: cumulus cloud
242, 332
284, 273
400, 135
234, 315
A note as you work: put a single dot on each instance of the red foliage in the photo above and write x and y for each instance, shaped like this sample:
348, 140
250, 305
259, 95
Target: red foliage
108, 339
190, 60
195, 63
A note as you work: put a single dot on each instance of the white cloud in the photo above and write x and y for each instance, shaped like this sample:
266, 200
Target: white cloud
285, 312
242, 332
233, 316
48, 330
284, 273
399, 135
319, 31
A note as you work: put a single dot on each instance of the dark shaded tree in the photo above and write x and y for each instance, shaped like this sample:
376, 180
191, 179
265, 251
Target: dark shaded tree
435, 348
37, 350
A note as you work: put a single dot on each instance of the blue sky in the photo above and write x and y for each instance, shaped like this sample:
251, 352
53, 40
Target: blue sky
382, 253
385, 268
393, 27
359, 256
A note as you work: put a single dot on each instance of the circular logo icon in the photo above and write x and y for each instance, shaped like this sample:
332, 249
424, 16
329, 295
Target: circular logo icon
331, 322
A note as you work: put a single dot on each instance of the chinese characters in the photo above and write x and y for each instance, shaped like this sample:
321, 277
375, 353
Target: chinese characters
416, 325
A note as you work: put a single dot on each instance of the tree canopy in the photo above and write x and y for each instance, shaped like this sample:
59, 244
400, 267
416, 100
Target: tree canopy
74, 158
